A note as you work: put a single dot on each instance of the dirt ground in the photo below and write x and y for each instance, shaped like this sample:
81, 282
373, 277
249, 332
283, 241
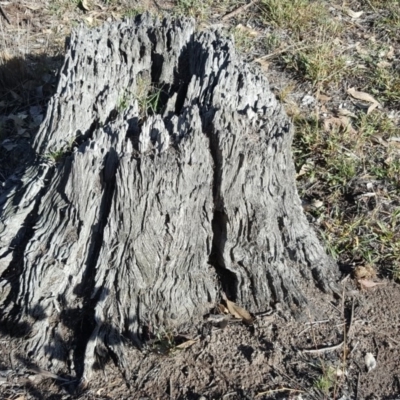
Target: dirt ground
320, 355
345, 347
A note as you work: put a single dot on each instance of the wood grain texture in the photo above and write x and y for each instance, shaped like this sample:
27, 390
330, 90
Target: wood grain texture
152, 212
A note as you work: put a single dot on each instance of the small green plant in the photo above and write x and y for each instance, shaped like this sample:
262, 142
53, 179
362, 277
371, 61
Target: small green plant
326, 381
148, 97
123, 102
272, 41
164, 342
152, 102
58, 154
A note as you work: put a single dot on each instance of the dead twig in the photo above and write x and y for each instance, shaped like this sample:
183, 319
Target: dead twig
317, 322
4, 15
358, 386
337, 346
285, 50
351, 320
46, 374
323, 349
395, 341
265, 314
238, 10
284, 389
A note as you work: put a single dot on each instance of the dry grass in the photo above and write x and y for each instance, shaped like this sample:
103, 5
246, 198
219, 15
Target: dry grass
355, 166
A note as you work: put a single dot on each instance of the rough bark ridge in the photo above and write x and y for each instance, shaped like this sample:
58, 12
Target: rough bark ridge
176, 182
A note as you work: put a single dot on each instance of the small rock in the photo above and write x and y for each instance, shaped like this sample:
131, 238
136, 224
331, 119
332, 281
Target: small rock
308, 100
370, 361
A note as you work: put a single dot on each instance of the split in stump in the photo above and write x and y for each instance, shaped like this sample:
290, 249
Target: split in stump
164, 177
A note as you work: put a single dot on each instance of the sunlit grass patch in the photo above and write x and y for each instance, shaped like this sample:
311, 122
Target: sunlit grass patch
326, 381
311, 29
318, 64
383, 154
298, 16
364, 238
355, 173
244, 38
335, 154
376, 68
193, 8
133, 12
385, 83
387, 16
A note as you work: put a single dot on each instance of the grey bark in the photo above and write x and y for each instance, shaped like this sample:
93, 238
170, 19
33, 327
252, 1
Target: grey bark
152, 212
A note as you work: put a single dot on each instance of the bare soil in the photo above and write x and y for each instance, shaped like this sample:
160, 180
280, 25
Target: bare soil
268, 360
316, 354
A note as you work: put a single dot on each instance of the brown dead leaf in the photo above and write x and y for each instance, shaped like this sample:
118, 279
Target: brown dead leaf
84, 4
89, 20
247, 30
307, 166
346, 113
378, 138
33, 7
222, 309
388, 161
384, 64
317, 204
364, 272
362, 96
218, 317
263, 63
390, 53
353, 14
116, 15
372, 107
187, 344
323, 109
341, 122
323, 97
238, 312
361, 50
367, 284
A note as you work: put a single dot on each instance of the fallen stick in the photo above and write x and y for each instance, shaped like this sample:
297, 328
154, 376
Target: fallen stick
4, 15
238, 10
323, 349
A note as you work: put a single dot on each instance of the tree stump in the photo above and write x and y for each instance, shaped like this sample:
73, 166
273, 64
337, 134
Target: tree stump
164, 178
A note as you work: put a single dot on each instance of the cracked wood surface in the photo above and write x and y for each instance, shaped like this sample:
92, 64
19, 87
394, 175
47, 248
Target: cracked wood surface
148, 216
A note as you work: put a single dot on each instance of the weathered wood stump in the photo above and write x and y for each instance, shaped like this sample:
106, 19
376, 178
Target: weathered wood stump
164, 178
